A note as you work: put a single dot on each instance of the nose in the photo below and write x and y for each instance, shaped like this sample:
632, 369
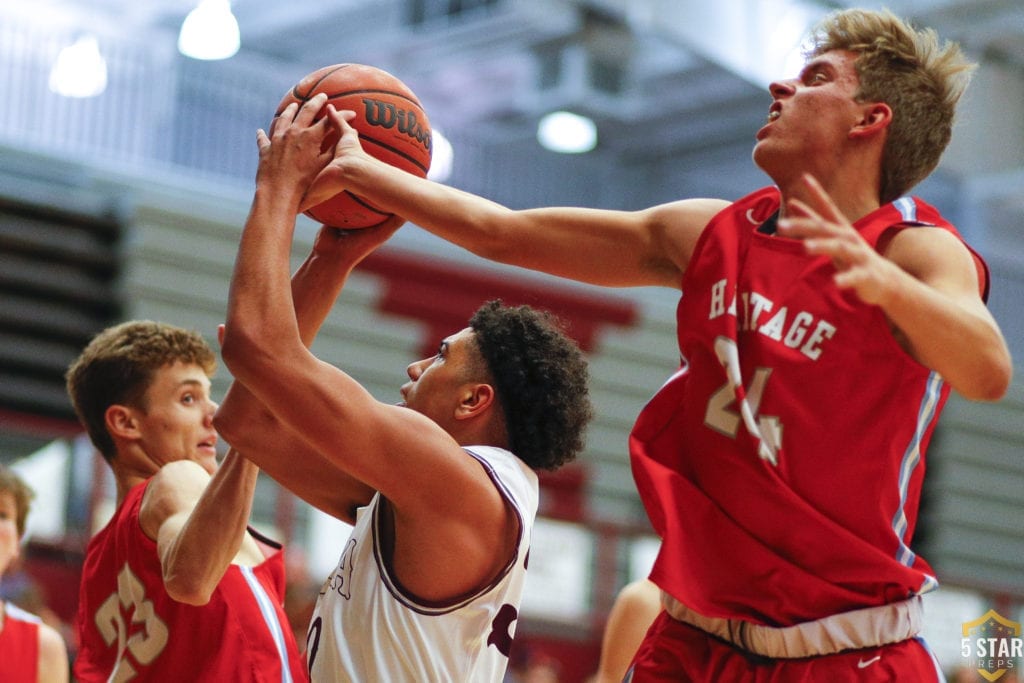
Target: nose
211, 409
416, 369
780, 89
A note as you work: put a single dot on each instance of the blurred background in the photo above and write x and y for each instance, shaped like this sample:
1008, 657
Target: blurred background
127, 156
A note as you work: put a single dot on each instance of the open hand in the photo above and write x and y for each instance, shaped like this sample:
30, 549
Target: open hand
827, 232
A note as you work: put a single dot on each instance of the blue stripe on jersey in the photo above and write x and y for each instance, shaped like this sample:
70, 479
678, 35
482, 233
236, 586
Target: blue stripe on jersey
266, 606
911, 459
907, 208
939, 676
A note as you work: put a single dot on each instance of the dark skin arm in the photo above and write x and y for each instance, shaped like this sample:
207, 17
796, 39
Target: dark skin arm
264, 439
450, 522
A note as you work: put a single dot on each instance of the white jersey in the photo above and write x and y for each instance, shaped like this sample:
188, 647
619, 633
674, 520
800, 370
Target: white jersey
366, 629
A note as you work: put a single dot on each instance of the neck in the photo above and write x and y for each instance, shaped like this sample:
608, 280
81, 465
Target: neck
854, 200
129, 473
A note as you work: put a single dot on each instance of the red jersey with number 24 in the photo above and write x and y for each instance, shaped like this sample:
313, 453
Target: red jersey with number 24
782, 464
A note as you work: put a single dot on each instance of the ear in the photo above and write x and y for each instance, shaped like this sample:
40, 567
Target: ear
475, 401
120, 421
875, 119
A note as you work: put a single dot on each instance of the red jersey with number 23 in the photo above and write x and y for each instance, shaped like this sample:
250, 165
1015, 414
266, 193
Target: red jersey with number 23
782, 464
129, 628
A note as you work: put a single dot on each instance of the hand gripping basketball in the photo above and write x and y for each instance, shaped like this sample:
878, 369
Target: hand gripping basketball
391, 123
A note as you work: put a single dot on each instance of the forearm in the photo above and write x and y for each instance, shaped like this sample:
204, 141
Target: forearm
467, 220
195, 558
259, 300
250, 427
600, 247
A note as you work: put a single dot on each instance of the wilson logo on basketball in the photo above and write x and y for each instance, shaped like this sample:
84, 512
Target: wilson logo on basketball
387, 115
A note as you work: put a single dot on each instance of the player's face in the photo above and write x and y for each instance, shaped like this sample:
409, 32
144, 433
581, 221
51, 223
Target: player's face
8, 530
810, 117
177, 422
437, 383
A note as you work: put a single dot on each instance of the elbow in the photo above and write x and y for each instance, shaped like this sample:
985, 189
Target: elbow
242, 351
230, 429
992, 384
236, 340
189, 592
998, 384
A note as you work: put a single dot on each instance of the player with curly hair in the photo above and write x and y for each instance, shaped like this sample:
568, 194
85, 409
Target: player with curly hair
441, 488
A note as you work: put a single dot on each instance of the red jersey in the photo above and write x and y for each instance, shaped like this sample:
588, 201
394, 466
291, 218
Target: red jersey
129, 628
19, 646
782, 464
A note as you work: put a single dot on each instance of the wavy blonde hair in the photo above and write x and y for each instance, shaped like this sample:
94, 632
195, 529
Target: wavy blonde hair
919, 77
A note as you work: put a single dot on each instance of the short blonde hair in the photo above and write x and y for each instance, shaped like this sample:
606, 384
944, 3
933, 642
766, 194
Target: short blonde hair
919, 78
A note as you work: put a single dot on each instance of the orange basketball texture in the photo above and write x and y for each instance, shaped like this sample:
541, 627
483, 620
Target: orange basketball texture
392, 126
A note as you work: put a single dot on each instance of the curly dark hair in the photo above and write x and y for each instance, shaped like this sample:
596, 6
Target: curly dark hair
541, 378
117, 367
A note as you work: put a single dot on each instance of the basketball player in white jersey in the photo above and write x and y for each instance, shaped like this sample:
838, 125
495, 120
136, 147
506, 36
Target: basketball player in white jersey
441, 488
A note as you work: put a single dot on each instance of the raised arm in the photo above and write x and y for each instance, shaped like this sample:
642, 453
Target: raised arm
199, 524
249, 426
611, 248
440, 496
926, 283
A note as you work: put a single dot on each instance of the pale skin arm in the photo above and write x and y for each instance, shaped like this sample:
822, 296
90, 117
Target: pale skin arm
926, 283
632, 613
245, 423
53, 656
651, 247
441, 498
199, 523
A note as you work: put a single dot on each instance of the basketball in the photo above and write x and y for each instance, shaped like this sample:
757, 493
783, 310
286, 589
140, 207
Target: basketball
392, 126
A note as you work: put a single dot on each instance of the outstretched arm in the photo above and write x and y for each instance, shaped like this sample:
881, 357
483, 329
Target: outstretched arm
250, 427
611, 248
927, 285
199, 523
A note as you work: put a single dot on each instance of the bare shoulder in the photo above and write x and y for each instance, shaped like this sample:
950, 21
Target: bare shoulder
53, 655
182, 478
935, 256
175, 488
640, 599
